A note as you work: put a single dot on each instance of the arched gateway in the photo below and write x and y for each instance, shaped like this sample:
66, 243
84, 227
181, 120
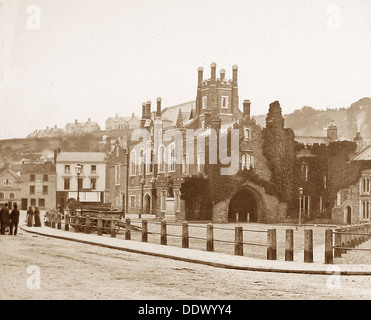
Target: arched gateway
245, 203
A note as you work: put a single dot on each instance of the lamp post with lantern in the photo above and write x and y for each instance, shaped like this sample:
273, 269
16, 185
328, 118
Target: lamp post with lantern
300, 200
78, 169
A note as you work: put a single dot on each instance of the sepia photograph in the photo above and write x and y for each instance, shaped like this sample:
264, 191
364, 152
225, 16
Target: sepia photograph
185, 157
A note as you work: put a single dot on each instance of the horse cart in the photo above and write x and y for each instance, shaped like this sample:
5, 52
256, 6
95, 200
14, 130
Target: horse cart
91, 218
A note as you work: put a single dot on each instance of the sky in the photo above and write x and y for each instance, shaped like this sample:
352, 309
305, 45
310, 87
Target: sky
62, 60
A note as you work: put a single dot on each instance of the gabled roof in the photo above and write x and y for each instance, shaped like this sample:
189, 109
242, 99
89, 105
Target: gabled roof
5, 170
80, 157
364, 155
38, 168
172, 113
312, 140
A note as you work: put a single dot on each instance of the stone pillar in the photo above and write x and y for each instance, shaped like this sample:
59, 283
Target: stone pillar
185, 235
210, 237
144, 231
271, 245
289, 248
238, 243
163, 232
308, 245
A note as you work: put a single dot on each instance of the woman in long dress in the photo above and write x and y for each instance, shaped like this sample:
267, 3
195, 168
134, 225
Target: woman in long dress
37, 217
29, 217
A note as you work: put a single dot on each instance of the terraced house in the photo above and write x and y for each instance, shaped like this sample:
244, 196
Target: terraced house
10, 186
353, 203
87, 184
38, 185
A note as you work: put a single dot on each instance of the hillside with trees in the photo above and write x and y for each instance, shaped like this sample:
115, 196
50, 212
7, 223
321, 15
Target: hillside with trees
308, 121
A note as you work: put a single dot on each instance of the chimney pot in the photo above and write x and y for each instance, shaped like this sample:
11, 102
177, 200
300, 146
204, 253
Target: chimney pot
158, 111
200, 74
234, 77
213, 71
246, 108
148, 109
222, 74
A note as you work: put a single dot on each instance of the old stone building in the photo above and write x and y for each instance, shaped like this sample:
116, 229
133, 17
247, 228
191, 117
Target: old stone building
121, 123
76, 128
116, 175
88, 184
353, 203
38, 186
10, 186
179, 147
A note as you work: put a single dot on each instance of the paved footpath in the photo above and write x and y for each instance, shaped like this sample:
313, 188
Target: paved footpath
207, 258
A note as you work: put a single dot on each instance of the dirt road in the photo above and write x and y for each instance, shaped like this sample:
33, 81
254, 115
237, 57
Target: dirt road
70, 270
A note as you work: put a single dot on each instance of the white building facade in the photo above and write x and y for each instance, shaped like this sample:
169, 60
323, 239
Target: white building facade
89, 185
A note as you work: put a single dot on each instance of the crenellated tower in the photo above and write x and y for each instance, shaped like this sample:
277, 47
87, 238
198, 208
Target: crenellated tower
217, 97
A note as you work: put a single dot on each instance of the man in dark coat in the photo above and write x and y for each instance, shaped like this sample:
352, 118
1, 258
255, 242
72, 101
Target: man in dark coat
4, 218
14, 219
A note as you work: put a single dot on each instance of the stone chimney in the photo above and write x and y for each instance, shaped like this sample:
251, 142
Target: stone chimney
359, 141
213, 71
234, 73
246, 108
200, 74
143, 110
222, 74
158, 111
148, 109
332, 131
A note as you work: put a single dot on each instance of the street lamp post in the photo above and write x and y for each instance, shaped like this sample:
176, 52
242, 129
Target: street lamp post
300, 199
78, 169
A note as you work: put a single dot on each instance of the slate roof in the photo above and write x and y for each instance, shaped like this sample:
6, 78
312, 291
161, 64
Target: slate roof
80, 157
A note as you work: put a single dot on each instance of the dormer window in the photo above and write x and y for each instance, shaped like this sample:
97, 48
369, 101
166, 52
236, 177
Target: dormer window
224, 102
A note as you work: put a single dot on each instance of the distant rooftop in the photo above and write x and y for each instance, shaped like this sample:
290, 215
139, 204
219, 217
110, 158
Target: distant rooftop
80, 157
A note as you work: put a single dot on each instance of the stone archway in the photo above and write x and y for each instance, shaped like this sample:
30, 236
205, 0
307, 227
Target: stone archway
244, 203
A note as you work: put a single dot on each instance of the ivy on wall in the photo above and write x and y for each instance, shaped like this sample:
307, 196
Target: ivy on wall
329, 170
278, 149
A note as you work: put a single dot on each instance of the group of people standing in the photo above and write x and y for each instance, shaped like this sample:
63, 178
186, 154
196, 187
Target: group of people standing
9, 219
33, 217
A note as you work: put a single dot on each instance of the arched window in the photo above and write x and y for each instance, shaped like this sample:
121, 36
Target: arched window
161, 159
171, 154
305, 169
11, 195
246, 132
133, 160
1, 195
246, 161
